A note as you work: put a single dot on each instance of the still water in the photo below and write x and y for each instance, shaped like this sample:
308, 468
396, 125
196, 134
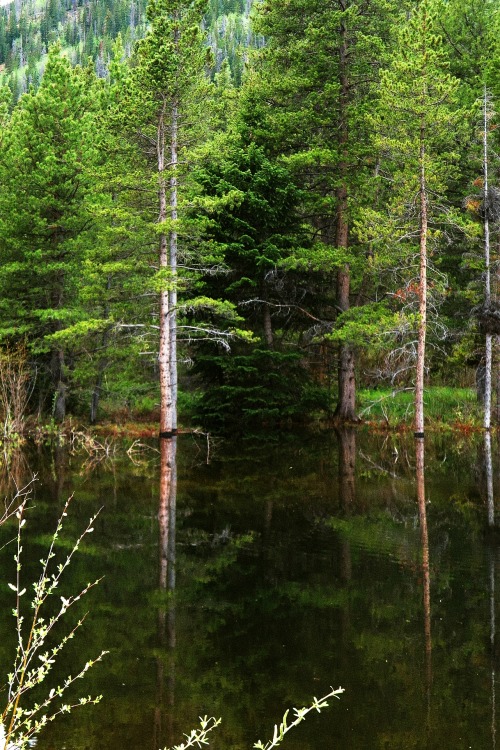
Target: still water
250, 578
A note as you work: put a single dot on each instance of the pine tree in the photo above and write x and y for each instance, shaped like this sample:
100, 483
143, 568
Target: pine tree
417, 133
306, 102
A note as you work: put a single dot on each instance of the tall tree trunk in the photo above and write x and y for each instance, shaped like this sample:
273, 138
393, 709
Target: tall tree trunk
346, 405
60, 386
422, 292
96, 393
487, 279
268, 326
164, 352
101, 368
174, 158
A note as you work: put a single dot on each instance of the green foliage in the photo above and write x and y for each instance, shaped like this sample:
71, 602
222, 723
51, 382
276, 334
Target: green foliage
297, 164
262, 387
44, 163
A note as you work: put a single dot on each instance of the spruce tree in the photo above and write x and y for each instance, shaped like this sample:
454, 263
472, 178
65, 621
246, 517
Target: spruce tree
42, 220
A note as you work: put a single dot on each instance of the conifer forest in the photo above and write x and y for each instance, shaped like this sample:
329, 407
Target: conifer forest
271, 227
250, 212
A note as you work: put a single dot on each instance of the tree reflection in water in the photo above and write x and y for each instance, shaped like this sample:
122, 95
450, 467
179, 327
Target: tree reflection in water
166, 611
490, 501
426, 578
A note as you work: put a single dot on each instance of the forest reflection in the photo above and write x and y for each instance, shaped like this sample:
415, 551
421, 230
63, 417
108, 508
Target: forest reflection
289, 566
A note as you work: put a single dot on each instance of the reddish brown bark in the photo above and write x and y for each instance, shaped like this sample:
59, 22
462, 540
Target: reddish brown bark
422, 293
346, 400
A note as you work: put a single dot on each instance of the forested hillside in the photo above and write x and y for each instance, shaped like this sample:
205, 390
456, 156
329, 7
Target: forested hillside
254, 212
87, 29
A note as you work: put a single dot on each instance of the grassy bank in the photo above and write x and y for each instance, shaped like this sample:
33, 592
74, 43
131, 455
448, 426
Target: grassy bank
444, 406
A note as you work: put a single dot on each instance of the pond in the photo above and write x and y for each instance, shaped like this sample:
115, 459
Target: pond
276, 570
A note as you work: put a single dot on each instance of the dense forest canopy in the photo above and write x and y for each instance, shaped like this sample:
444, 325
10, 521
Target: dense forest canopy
273, 205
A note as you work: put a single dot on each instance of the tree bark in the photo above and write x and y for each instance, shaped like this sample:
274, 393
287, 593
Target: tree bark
164, 352
173, 247
422, 291
101, 368
61, 388
346, 404
268, 326
487, 280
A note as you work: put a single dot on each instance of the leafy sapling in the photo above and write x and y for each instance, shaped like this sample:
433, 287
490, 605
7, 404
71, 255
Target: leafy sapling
299, 714
11, 506
199, 737
34, 659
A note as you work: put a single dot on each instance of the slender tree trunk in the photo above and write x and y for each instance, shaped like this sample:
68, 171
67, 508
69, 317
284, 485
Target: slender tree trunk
96, 393
422, 292
346, 406
101, 368
61, 388
268, 326
174, 158
164, 352
487, 279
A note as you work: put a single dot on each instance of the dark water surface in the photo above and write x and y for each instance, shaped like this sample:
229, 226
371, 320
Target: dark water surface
276, 571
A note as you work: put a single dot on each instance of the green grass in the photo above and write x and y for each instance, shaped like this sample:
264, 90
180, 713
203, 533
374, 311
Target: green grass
443, 405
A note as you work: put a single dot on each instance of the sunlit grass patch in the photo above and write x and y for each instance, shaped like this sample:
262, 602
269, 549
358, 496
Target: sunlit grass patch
443, 405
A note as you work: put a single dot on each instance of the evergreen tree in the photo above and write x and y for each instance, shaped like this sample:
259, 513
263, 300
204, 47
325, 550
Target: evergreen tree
417, 133
306, 102
42, 220
169, 73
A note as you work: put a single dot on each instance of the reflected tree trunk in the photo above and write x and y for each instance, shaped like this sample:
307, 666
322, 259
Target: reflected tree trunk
492, 647
426, 578
165, 676
347, 489
490, 500
14, 472
347, 466
59, 465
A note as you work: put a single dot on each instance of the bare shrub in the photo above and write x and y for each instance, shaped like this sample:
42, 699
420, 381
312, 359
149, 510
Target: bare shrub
15, 381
